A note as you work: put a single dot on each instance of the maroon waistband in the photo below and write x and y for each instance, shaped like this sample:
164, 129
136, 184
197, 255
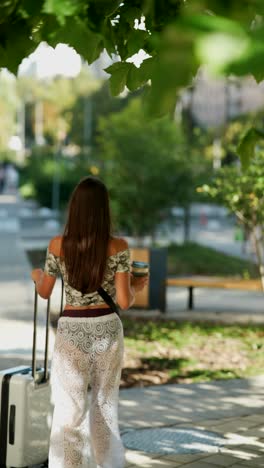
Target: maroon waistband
98, 312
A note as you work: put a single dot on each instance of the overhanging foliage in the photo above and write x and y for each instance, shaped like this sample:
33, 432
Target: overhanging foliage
178, 36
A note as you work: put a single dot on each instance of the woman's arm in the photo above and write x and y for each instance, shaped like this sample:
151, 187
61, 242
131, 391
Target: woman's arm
44, 283
45, 280
126, 284
125, 294
126, 288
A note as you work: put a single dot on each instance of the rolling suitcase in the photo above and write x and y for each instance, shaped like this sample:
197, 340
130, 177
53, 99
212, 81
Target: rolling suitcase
26, 411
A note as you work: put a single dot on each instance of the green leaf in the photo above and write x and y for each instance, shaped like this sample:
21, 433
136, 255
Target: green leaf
17, 46
133, 78
77, 34
105, 7
176, 64
118, 79
219, 51
109, 38
146, 68
136, 41
30, 8
7, 8
63, 8
173, 68
157, 104
121, 33
251, 62
138, 76
210, 24
131, 14
49, 28
246, 147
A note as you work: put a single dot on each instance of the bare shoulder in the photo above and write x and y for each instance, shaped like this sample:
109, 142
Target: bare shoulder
55, 245
118, 244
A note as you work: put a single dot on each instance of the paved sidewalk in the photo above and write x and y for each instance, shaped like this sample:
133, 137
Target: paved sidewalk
231, 410
15, 269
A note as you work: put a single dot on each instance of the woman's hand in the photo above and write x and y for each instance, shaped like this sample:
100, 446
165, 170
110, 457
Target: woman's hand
139, 282
36, 274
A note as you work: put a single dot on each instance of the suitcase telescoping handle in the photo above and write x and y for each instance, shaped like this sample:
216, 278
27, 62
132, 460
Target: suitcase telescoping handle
34, 349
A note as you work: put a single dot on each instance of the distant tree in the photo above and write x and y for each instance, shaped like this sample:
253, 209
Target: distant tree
89, 108
57, 98
196, 169
7, 110
144, 166
37, 175
242, 192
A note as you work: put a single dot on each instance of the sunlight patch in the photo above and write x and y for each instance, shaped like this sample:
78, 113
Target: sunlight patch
172, 440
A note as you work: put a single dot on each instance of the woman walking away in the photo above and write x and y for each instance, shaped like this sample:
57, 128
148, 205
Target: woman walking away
89, 342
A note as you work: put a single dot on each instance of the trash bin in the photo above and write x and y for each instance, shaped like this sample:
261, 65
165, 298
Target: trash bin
154, 295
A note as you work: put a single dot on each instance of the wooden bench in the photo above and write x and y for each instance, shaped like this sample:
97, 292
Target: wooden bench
213, 282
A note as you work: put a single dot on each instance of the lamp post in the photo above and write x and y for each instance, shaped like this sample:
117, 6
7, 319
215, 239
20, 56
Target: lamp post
39, 120
56, 180
21, 118
55, 203
87, 122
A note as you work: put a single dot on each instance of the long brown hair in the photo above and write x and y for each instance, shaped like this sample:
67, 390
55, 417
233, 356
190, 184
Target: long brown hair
86, 235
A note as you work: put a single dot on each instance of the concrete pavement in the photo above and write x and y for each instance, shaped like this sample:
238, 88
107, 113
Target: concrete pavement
232, 410
15, 270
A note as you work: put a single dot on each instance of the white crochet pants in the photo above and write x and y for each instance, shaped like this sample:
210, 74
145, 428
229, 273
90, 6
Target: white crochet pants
84, 433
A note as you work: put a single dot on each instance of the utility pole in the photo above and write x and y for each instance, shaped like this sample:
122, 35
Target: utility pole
21, 118
87, 122
56, 178
39, 118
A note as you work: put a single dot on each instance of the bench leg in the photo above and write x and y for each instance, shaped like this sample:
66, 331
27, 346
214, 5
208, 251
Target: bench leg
190, 298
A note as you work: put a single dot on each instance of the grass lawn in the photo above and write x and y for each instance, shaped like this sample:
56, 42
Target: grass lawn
159, 352
195, 259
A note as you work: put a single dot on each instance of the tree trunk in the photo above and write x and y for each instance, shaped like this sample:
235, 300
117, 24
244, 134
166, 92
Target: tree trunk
153, 237
137, 237
259, 253
187, 223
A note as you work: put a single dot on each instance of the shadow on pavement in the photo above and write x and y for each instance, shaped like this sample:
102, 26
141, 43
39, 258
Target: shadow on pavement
173, 404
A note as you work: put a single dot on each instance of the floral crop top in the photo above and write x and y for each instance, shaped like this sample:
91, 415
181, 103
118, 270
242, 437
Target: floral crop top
119, 262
